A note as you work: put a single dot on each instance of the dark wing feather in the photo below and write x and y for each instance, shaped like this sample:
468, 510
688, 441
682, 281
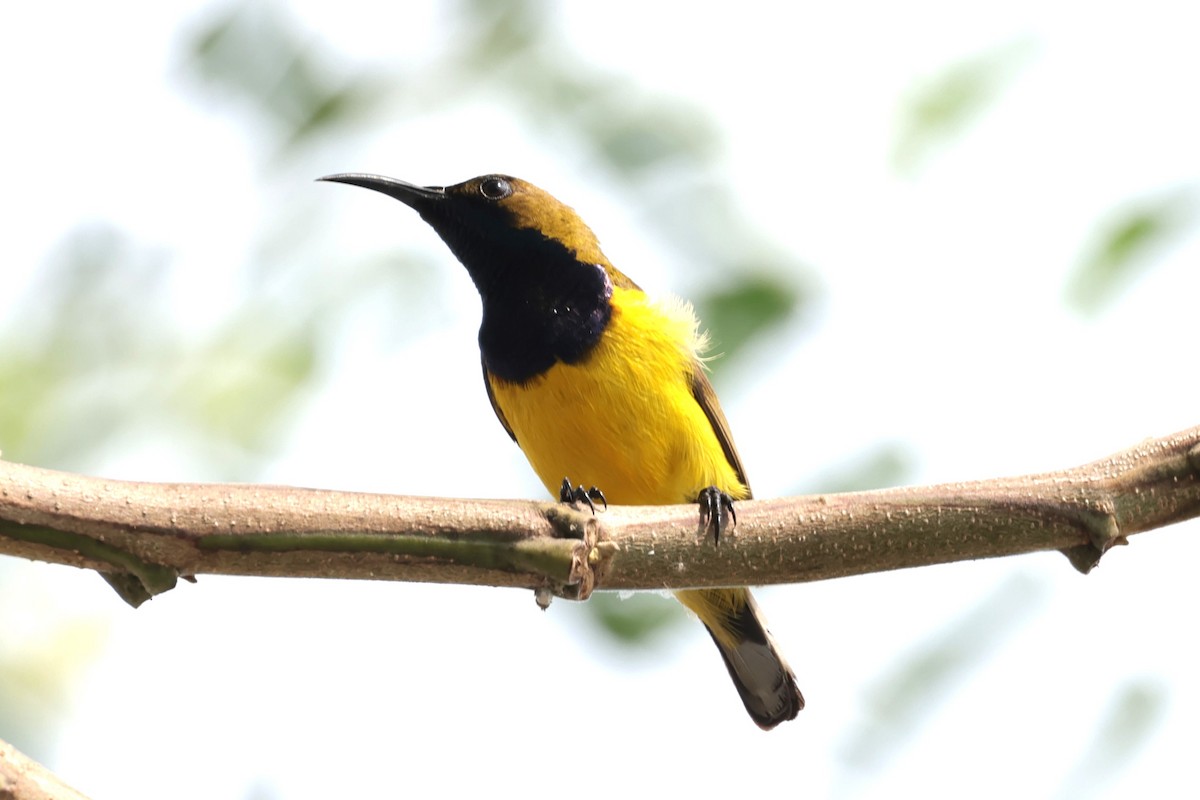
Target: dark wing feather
702, 390
487, 384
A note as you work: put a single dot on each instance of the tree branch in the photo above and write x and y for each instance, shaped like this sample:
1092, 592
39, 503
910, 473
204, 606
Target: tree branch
22, 778
143, 535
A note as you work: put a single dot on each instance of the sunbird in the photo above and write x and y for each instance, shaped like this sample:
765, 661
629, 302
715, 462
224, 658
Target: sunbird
598, 383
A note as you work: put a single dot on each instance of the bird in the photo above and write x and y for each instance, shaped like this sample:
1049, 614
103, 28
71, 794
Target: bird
596, 381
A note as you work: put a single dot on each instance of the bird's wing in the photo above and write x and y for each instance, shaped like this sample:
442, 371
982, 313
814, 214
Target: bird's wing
702, 390
487, 383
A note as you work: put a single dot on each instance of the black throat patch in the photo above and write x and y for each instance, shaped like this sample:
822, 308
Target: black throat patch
541, 304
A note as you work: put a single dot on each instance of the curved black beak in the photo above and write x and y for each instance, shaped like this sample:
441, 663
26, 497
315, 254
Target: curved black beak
419, 198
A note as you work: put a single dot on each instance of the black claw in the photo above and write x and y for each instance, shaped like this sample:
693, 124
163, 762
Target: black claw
577, 494
716, 512
595, 494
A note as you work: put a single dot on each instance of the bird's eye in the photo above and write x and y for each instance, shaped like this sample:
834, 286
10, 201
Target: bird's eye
495, 188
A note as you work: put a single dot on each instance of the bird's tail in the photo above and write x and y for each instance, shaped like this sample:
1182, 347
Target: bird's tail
761, 675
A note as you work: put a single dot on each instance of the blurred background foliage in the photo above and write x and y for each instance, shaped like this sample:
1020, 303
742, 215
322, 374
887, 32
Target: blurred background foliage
91, 364
1127, 243
940, 109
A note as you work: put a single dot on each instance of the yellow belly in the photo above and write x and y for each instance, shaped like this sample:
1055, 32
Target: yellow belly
624, 419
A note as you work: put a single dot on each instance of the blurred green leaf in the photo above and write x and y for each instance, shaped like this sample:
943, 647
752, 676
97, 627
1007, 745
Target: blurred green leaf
497, 32
886, 465
941, 108
1126, 244
242, 384
38, 672
736, 313
65, 353
93, 355
515, 46
1133, 715
337, 107
634, 619
913, 686
253, 52
635, 136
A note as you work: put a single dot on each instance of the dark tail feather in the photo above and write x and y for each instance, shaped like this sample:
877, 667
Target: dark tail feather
761, 675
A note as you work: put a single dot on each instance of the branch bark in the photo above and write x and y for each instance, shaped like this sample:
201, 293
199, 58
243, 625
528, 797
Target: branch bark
22, 778
141, 536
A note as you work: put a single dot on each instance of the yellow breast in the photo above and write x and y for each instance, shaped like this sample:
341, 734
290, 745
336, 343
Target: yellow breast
624, 419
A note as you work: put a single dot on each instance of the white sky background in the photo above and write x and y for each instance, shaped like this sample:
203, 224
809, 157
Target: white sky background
941, 328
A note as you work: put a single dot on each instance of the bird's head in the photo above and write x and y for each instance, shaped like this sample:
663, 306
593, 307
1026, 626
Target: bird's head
546, 286
502, 229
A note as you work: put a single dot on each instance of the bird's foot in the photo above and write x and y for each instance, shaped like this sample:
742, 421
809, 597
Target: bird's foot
577, 494
716, 512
